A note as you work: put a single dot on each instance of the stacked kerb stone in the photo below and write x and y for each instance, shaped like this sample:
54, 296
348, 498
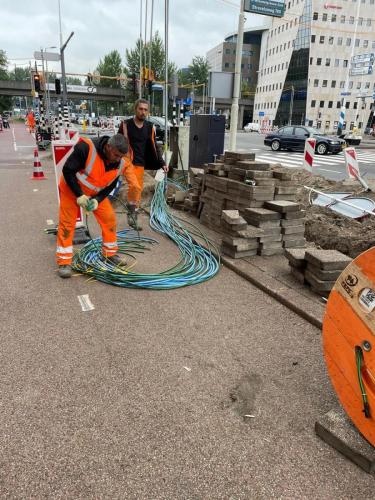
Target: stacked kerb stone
292, 222
318, 268
269, 243
239, 240
285, 188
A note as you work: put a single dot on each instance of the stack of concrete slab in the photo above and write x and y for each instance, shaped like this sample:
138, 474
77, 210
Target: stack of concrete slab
319, 268
195, 180
285, 188
323, 268
239, 240
269, 243
292, 222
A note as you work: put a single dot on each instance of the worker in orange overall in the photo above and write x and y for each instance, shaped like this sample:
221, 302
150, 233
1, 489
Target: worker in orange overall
31, 121
144, 154
89, 175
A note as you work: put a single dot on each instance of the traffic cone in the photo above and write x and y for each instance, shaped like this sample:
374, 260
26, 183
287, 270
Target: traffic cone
38, 174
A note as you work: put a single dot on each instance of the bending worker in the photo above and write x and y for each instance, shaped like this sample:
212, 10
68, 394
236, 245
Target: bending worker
144, 154
89, 175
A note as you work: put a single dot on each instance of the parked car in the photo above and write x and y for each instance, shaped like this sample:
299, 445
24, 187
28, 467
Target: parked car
252, 127
293, 138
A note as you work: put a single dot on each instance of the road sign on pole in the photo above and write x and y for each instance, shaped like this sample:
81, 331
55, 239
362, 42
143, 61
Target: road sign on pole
46, 56
273, 8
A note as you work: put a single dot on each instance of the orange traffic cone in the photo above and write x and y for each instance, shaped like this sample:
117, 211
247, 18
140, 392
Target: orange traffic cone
38, 174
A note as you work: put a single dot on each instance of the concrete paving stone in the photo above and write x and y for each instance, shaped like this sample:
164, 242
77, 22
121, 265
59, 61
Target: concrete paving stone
259, 175
296, 257
253, 165
271, 231
285, 197
250, 232
322, 274
293, 230
263, 225
282, 176
263, 214
301, 214
300, 243
283, 206
327, 259
292, 222
317, 283
279, 190
270, 251
238, 254
232, 217
238, 155
266, 182
235, 242
271, 238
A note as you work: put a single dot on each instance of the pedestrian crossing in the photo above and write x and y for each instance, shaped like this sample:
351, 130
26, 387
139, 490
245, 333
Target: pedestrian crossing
324, 163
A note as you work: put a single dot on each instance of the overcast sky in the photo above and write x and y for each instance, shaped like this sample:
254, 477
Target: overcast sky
103, 25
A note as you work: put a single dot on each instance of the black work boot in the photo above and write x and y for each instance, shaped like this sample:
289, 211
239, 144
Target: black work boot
116, 260
133, 217
65, 271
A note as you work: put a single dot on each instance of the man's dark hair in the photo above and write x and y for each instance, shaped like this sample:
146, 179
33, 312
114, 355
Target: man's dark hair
141, 101
119, 142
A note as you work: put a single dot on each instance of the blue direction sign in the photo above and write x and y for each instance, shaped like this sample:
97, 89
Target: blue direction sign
261, 113
345, 93
273, 8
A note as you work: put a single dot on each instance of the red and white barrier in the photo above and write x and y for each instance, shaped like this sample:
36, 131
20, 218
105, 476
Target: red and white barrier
351, 163
38, 174
309, 153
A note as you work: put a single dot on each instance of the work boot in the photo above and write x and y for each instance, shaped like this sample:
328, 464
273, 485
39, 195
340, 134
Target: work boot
65, 271
116, 260
133, 218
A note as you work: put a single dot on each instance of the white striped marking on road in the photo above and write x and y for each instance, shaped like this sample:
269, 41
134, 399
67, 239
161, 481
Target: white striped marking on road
35, 190
85, 303
14, 140
326, 170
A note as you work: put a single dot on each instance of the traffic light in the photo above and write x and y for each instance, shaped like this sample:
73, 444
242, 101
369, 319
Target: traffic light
37, 85
57, 86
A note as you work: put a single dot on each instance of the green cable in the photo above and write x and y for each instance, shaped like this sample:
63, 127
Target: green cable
359, 363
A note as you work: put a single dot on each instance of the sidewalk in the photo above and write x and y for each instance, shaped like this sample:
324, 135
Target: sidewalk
270, 274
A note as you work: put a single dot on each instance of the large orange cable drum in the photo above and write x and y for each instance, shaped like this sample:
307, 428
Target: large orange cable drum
349, 341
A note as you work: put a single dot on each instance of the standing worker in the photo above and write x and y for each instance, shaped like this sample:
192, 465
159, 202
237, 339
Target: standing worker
89, 175
31, 121
144, 154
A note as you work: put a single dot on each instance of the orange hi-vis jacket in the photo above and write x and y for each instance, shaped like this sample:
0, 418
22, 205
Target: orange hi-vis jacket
94, 177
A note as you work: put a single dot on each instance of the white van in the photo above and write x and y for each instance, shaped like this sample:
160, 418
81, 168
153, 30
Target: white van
252, 127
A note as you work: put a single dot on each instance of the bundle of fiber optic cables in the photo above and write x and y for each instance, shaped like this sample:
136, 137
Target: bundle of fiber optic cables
196, 265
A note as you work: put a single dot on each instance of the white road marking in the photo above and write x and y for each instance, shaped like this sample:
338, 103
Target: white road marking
35, 190
85, 303
326, 170
14, 140
49, 222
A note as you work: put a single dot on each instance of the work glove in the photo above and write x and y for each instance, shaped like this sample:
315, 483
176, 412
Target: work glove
160, 175
83, 200
92, 205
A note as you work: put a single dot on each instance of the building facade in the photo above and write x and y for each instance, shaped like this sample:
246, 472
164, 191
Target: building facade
316, 60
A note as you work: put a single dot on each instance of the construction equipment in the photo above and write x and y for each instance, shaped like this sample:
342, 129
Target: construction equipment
349, 343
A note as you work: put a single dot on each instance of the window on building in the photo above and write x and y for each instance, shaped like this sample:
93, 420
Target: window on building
315, 16
318, 61
313, 102
325, 82
330, 40
226, 65
359, 85
348, 42
316, 83
339, 40
330, 104
360, 21
328, 61
373, 43
367, 85
321, 39
357, 42
368, 22
333, 84
337, 62
333, 18
351, 20
342, 84
338, 104
350, 85
345, 63
324, 17
312, 39
321, 104
227, 51
355, 105
342, 19
347, 105
365, 44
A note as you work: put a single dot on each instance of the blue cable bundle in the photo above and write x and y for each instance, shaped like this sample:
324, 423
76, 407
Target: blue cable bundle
196, 265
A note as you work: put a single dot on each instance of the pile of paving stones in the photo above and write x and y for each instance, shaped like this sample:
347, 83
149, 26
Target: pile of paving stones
318, 268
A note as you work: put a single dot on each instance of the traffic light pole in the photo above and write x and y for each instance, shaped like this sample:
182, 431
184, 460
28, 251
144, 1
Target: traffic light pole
237, 80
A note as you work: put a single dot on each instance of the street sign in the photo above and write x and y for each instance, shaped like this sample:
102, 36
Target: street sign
79, 89
273, 8
46, 56
261, 113
362, 70
361, 58
345, 93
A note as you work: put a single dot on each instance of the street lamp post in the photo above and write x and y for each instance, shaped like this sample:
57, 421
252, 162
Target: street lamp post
63, 76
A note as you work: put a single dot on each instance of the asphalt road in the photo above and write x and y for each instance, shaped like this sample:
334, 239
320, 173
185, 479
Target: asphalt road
329, 166
145, 396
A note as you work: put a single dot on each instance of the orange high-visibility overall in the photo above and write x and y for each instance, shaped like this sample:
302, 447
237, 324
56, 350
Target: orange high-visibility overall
92, 179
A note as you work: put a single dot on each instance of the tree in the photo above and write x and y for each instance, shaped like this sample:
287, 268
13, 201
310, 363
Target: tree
196, 73
73, 80
157, 58
110, 66
20, 74
5, 102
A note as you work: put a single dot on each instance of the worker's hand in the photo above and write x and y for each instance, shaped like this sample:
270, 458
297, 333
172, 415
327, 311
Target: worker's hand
92, 205
82, 201
166, 169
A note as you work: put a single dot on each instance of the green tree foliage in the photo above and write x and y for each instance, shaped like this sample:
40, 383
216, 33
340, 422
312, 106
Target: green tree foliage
73, 80
111, 65
5, 102
197, 73
20, 74
157, 58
